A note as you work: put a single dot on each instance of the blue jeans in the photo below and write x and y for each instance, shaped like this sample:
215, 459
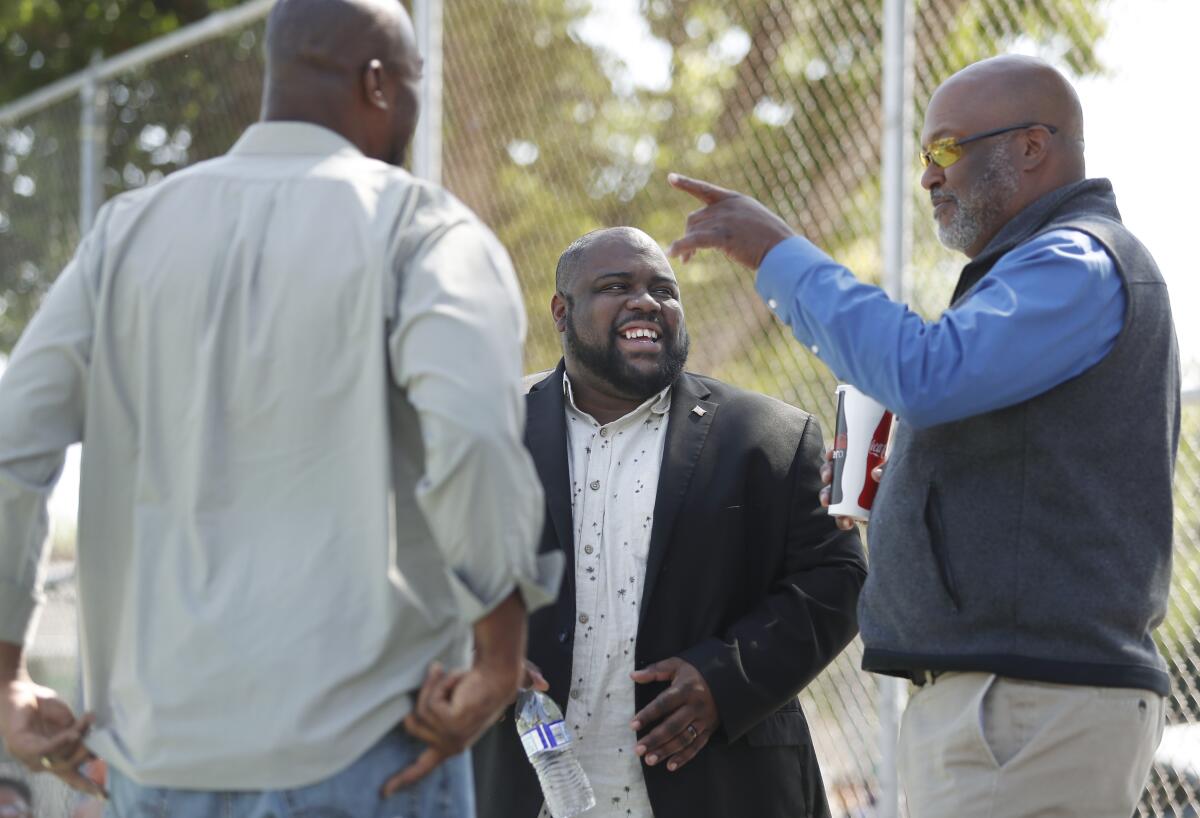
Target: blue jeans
447, 792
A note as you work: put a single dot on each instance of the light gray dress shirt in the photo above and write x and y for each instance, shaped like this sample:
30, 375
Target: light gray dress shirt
295, 372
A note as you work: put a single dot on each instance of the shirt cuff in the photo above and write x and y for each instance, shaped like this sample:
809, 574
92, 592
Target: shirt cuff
538, 588
784, 269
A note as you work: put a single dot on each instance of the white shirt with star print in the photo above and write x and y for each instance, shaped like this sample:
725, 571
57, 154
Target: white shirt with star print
614, 482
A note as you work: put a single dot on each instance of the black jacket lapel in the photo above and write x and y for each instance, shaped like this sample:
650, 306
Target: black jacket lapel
688, 423
546, 439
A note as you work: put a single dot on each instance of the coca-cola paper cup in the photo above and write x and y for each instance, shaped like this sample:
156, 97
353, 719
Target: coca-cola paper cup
860, 441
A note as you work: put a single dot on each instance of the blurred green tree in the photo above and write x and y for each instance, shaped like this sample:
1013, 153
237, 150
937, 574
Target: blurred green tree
551, 130
44, 40
156, 119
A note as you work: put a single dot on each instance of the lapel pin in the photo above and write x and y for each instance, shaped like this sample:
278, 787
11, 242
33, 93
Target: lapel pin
699, 411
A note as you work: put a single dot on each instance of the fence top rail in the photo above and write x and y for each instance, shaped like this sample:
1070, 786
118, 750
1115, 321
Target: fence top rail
211, 26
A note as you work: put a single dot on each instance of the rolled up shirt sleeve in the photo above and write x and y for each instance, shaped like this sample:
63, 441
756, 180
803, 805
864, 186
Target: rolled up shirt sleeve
1046, 312
456, 351
41, 414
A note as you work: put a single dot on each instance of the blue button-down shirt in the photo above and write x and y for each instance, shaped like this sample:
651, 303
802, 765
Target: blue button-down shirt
1046, 312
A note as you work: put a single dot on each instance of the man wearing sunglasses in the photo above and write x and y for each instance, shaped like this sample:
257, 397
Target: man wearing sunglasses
1021, 541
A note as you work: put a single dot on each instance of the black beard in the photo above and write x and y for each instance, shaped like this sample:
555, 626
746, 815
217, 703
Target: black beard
607, 361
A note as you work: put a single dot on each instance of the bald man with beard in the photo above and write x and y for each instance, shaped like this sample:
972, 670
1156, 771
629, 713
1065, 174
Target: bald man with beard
1021, 538
296, 373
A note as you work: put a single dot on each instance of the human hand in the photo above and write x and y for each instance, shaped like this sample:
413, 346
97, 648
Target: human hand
686, 713
40, 731
737, 225
97, 771
844, 523
451, 712
533, 678
453, 709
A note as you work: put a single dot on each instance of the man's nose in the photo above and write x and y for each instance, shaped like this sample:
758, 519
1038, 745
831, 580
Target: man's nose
643, 301
933, 175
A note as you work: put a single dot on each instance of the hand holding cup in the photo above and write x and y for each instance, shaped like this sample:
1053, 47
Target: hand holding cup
853, 467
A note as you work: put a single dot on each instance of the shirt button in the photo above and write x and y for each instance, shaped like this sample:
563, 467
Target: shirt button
575, 695
583, 619
772, 303
595, 485
587, 549
815, 349
604, 432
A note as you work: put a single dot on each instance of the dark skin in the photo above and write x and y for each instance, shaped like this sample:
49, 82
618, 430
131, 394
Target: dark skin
989, 94
454, 708
626, 283
995, 93
39, 728
350, 66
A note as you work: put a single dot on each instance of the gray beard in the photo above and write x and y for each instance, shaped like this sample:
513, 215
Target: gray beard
981, 208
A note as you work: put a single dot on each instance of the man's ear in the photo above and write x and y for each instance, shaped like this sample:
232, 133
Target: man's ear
372, 81
558, 309
1035, 147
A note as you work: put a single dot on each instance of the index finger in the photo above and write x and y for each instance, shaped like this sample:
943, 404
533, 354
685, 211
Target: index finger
662, 671
534, 678
78, 781
30, 747
663, 705
426, 763
694, 240
704, 191
430, 688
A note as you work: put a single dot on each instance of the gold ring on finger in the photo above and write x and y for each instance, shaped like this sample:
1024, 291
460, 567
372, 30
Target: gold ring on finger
47, 763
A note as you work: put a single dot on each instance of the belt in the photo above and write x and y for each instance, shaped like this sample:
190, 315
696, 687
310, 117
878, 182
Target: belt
924, 677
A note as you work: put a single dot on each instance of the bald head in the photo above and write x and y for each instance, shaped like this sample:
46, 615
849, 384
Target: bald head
348, 65
1021, 128
1011, 89
579, 254
336, 36
618, 307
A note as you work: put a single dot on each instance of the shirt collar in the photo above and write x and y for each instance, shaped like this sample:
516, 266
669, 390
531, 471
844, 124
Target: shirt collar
294, 138
658, 404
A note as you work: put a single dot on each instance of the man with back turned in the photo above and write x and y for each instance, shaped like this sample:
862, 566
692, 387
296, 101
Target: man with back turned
295, 370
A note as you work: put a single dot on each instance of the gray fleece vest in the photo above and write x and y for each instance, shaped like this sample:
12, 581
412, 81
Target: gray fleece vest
1034, 541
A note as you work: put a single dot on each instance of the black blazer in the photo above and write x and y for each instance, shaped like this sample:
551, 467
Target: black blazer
747, 578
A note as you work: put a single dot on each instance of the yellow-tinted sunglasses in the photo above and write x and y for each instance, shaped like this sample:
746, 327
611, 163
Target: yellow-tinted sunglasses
945, 152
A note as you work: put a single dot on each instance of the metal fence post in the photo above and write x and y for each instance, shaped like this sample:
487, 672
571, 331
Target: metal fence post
427, 142
92, 142
897, 147
897, 250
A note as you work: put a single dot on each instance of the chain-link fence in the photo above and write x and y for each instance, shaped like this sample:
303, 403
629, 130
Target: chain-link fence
561, 116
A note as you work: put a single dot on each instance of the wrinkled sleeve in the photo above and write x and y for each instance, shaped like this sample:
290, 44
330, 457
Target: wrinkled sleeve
1046, 312
41, 413
456, 351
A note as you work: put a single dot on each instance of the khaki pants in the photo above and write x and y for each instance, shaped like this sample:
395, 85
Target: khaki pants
974, 745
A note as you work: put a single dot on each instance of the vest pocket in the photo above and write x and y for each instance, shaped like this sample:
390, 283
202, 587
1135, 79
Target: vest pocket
937, 545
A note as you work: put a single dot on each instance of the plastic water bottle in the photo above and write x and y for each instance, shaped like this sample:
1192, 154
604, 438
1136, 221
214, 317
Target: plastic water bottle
551, 751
